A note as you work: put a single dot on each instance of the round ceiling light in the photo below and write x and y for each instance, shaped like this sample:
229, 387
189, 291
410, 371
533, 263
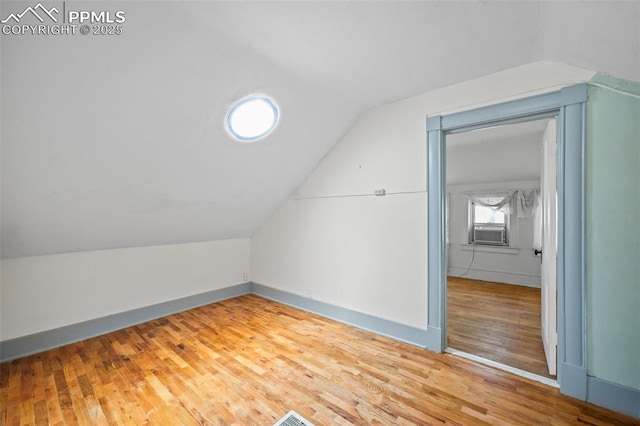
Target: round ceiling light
252, 118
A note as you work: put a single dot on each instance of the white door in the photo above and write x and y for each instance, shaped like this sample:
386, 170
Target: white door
549, 245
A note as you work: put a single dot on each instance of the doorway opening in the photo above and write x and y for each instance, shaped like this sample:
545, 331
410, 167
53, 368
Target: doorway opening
500, 198
569, 106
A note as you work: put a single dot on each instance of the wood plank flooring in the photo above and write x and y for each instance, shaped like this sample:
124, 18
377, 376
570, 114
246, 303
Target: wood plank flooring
248, 361
500, 322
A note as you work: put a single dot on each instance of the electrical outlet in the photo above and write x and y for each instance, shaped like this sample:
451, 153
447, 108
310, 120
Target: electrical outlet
245, 276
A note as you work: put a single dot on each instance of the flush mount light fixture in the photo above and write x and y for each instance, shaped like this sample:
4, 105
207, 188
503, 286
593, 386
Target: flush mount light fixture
252, 118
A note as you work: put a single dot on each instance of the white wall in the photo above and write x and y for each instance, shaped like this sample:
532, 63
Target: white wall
513, 265
45, 292
364, 252
497, 154
492, 160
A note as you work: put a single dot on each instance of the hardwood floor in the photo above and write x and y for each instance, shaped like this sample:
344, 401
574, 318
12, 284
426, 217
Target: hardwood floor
500, 322
248, 361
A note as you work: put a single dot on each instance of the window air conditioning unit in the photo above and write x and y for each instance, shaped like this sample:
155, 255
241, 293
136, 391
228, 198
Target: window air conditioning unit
489, 234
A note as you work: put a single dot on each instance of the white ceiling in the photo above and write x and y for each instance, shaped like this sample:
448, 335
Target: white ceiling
119, 141
507, 153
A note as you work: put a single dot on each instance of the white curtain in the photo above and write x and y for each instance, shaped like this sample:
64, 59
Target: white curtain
524, 204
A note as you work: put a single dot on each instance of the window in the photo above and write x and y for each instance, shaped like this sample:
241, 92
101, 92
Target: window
487, 225
252, 118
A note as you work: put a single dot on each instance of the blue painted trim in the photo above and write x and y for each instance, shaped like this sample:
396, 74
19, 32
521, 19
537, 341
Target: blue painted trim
574, 380
404, 333
572, 343
506, 111
38, 342
434, 123
601, 392
436, 273
435, 339
501, 122
569, 105
42, 341
576, 94
613, 396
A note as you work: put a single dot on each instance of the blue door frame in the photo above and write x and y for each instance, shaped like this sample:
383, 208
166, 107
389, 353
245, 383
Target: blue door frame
569, 105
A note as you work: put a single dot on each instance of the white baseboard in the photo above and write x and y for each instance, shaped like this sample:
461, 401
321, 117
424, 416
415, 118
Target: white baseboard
496, 276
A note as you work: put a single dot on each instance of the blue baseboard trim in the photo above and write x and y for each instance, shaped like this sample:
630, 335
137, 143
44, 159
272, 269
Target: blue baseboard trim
38, 342
576, 383
573, 380
434, 339
49, 339
613, 396
401, 332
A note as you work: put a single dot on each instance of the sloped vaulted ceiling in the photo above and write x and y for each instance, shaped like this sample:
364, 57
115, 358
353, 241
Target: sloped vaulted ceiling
118, 141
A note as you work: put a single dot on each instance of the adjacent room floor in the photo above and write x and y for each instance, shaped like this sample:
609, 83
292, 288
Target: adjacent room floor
248, 361
500, 322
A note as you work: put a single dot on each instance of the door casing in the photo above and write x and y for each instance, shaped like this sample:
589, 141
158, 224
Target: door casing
569, 105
